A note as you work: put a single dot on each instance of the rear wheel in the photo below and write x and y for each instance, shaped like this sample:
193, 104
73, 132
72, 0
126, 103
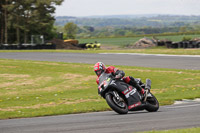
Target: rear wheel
118, 104
152, 103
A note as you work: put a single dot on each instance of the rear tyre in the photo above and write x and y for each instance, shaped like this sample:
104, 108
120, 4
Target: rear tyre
118, 106
152, 104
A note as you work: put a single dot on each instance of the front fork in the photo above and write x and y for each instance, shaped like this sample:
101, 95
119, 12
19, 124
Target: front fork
118, 100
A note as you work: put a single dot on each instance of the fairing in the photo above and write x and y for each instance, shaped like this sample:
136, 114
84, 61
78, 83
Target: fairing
107, 83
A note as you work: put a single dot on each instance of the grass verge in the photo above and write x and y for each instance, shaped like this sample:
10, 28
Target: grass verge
122, 41
36, 88
188, 130
156, 50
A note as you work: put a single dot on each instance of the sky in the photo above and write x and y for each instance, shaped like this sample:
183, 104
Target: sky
80, 8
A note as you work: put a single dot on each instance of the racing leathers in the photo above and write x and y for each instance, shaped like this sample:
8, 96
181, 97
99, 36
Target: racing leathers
118, 74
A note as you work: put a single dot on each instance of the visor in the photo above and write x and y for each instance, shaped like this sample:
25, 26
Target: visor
98, 72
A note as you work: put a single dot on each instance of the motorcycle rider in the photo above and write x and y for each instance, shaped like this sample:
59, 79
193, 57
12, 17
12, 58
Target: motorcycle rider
100, 68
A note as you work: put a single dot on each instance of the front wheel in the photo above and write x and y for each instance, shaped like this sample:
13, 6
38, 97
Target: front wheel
117, 104
152, 103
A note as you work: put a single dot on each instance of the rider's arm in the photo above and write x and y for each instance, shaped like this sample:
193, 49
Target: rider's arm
116, 72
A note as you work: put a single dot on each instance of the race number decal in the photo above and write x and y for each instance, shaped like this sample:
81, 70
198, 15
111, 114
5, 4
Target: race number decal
129, 91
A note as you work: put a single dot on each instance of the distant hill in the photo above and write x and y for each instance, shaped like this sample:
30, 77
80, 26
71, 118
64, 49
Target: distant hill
152, 20
124, 16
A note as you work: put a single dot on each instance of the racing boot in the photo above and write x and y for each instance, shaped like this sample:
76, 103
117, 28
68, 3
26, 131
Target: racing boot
137, 86
147, 89
143, 93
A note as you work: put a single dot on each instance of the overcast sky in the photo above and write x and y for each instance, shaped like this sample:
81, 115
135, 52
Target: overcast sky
127, 7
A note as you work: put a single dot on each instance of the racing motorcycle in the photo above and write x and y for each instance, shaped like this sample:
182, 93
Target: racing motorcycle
122, 97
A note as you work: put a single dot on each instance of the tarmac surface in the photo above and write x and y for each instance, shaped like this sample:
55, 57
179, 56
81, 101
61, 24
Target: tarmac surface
144, 60
185, 115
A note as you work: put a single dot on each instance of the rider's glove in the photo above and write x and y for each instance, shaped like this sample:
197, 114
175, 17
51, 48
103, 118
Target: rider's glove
119, 74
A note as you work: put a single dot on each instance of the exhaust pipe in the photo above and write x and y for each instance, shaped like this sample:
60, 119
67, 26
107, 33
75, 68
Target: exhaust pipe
148, 84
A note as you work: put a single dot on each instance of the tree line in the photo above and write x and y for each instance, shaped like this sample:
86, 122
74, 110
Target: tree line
94, 27
19, 19
71, 31
150, 21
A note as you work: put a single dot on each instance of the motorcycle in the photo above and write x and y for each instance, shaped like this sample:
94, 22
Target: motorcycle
122, 97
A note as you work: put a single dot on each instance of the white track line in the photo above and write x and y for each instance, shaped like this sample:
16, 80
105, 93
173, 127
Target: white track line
153, 54
184, 106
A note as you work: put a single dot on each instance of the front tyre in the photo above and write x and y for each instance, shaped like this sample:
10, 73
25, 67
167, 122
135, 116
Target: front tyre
152, 103
118, 105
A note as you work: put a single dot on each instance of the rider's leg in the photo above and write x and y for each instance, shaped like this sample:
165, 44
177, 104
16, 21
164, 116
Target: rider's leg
130, 80
139, 81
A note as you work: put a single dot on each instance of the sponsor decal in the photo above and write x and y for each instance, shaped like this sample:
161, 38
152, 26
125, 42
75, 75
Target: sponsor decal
108, 79
100, 89
134, 105
129, 91
104, 83
100, 86
113, 82
124, 92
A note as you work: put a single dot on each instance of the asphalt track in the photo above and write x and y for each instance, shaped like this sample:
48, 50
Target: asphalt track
144, 60
168, 117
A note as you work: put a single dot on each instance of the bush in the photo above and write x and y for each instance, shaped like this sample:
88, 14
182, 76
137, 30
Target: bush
186, 38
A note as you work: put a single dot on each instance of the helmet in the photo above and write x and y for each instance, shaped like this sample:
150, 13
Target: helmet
99, 68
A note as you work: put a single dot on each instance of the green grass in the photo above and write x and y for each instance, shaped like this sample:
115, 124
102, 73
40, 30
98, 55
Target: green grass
144, 51
189, 130
122, 41
35, 88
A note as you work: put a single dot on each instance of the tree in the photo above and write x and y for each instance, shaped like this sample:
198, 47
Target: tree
21, 19
71, 30
120, 32
2, 2
43, 15
183, 29
89, 28
6, 21
16, 11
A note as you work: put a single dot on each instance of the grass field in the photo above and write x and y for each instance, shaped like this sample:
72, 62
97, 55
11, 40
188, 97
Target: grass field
35, 88
122, 41
144, 51
116, 46
188, 130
